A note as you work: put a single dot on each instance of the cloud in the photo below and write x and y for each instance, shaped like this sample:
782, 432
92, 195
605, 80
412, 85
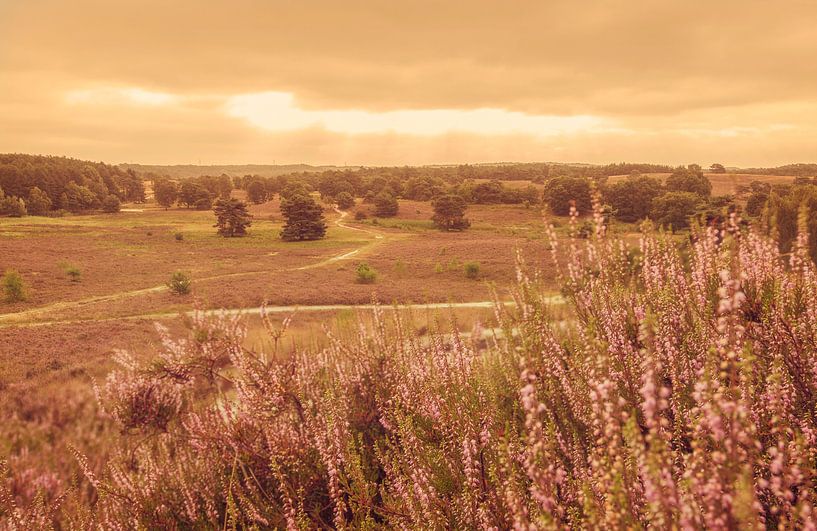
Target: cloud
324, 81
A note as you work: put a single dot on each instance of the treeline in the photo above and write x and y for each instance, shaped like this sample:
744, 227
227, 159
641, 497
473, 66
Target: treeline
687, 192
40, 185
795, 170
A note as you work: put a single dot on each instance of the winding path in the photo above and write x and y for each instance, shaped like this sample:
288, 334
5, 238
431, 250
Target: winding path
27, 317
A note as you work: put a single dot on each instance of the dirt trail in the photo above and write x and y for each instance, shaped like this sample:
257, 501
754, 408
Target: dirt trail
27, 316
556, 299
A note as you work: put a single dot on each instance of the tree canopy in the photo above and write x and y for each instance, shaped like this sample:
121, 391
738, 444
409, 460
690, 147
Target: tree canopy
304, 219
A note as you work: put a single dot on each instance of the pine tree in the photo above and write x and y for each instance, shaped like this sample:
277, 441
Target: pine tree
232, 218
304, 219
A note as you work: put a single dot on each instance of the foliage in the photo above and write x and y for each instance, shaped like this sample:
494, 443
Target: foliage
471, 270
111, 204
179, 236
631, 199
166, 192
304, 219
38, 202
449, 213
673, 209
192, 194
360, 215
73, 273
14, 288
12, 206
689, 179
562, 192
345, 200
680, 394
52, 175
78, 198
385, 205
785, 212
257, 192
180, 283
232, 218
366, 274
717, 168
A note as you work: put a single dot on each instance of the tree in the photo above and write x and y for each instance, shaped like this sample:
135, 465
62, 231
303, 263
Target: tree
13, 207
385, 205
449, 213
166, 192
78, 198
111, 204
192, 194
38, 203
717, 168
257, 192
673, 209
562, 192
232, 218
486, 193
631, 199
689, 179
293, 189
345, 200
304, 219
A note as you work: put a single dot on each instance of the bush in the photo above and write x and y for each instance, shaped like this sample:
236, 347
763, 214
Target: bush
366, 274
360, 215
179, 236
679, 394
14, 288
73, 273
472, 270
180, 283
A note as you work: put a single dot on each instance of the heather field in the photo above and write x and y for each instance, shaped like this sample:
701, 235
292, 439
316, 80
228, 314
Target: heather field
532, 371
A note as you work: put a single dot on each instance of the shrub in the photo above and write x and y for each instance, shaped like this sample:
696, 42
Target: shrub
14, 288
471, 270
366, 274
679, 395
180, 283
360, 215
179, 236
73, 273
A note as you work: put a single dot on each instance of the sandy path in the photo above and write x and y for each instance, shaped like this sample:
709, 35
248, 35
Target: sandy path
26, 316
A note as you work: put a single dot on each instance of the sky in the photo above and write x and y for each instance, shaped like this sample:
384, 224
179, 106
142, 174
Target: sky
384, 82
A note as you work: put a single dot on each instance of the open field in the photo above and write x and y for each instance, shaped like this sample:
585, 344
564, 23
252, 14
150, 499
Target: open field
725, 183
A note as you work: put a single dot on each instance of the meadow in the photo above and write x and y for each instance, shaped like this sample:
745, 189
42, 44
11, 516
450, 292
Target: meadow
429, 395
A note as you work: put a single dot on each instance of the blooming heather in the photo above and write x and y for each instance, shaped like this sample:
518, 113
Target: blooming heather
680, 392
